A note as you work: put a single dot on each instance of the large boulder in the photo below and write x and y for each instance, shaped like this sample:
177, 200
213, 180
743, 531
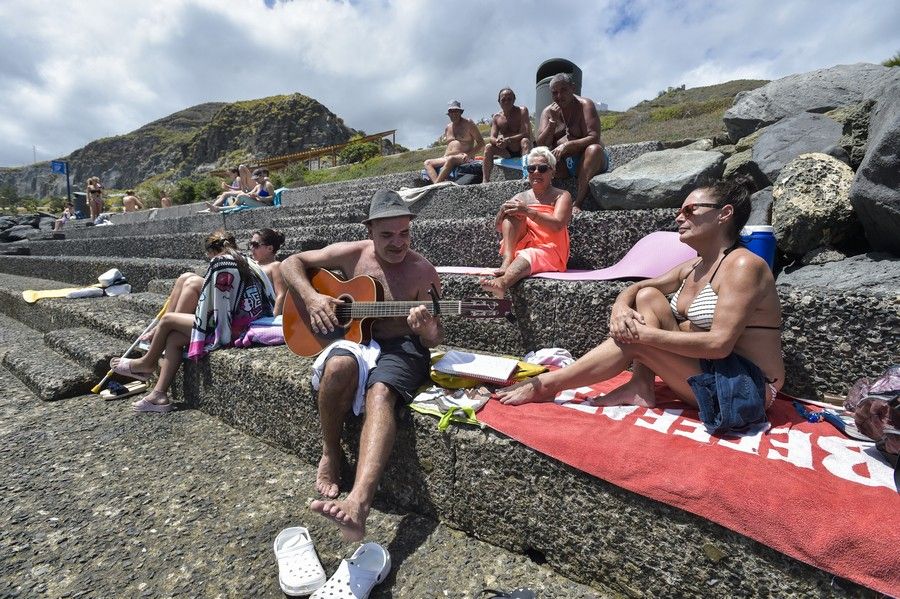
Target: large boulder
788, 138
855, 120
875, 193
816, 91
622, 154
761, 207
657, 179
811, 204
16, 233
865, 273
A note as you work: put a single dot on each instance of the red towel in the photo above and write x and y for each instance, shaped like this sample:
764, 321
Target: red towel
801, 488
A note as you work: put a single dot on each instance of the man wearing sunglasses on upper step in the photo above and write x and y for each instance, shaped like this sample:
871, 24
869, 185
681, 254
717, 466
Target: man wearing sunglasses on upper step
570, 127
533, 226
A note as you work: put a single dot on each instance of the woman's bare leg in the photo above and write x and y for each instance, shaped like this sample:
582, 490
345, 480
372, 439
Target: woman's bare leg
640, 389
511, 269
605, 361
173, 321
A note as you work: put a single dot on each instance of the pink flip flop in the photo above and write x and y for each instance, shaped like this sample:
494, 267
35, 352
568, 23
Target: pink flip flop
150, 407
123, 367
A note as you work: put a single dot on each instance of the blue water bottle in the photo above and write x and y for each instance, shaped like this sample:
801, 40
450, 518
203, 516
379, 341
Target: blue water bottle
760, 239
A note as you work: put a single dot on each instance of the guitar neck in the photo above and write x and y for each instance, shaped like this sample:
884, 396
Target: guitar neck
358, 310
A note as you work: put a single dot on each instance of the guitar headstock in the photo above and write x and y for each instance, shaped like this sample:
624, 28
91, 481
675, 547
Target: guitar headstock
486, 307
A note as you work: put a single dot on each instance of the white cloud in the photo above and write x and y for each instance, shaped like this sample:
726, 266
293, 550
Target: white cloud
93, 68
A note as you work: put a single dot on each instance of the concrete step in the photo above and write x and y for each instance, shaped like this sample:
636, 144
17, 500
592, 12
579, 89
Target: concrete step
107, 315
88, 347
75, 271
48, 374
146, 302
163, 286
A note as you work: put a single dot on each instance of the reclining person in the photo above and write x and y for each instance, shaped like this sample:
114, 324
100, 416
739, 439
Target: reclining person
570, 127
235, 293
401, 367
464, 141
263, 194
510, 133
720, 330
534, 227
230, 190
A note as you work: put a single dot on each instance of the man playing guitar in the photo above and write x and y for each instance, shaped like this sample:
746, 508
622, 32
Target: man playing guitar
401, 368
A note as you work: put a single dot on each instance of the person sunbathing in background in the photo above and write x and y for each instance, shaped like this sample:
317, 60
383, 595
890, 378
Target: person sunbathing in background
131, 203
464, 141
67, 215
263, 194
229, 190
510, 133
235, 292
716, 342
534, 227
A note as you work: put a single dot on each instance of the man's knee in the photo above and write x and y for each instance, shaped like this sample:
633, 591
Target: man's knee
595, 157
341, 374
380, 395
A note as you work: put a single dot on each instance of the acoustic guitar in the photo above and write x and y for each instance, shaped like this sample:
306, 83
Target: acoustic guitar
362, 301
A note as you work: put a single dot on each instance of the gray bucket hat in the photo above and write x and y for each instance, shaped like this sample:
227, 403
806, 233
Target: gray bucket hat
387, 204
454, 105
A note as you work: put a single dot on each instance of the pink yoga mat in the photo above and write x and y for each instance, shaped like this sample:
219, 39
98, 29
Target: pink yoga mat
653, 255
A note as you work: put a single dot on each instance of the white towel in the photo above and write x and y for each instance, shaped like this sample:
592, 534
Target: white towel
366, 356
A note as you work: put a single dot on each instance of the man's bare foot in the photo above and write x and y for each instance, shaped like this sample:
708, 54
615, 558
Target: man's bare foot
636, 392
212, 207
328, 476
347, 514
494, 286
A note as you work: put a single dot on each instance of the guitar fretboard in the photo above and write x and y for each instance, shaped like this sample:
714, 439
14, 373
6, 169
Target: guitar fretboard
394, 309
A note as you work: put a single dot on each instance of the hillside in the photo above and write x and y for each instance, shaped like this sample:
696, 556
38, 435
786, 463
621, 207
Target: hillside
676, 114
197, 138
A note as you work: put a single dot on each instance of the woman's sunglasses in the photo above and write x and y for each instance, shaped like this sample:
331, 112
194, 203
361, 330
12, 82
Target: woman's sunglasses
541, 168
688, 211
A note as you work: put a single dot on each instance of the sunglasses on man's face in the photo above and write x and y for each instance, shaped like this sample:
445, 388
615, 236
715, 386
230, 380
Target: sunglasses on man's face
254, 244
541, 168
689, 210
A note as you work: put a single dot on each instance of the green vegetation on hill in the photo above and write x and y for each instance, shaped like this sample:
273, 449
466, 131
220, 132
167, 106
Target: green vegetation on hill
893, 61
675, 114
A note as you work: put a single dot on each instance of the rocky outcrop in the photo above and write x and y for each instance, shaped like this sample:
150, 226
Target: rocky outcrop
177, 145
811, 204
855, 122
622, 154
761, 207
18, 228
656, 179
788, 138
875, 193
816, 91
874, 272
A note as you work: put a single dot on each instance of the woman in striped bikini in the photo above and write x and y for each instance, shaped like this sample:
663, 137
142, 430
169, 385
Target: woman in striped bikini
716, 343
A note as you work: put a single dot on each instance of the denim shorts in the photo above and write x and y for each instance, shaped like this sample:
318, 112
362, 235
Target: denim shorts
731, 393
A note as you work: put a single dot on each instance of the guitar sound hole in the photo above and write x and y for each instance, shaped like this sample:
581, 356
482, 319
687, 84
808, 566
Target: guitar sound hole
343, 312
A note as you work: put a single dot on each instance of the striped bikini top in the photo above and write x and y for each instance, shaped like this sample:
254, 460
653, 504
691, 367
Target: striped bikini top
703, 308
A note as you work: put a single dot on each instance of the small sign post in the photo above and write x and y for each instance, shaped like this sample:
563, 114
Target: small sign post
62, 167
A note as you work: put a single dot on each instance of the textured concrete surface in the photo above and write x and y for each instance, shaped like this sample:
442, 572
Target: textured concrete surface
83, 270
97, 502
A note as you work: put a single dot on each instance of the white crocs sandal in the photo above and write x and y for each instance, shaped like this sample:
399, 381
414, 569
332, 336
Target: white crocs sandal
355, 578
299, 570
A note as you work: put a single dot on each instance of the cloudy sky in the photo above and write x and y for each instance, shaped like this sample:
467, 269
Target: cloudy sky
71, 72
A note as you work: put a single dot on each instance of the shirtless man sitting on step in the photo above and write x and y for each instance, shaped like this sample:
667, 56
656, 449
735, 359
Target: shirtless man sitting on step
510, 132
570, 127
400, 368
464, 142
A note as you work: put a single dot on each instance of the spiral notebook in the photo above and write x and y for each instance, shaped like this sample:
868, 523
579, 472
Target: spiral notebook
493, 369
